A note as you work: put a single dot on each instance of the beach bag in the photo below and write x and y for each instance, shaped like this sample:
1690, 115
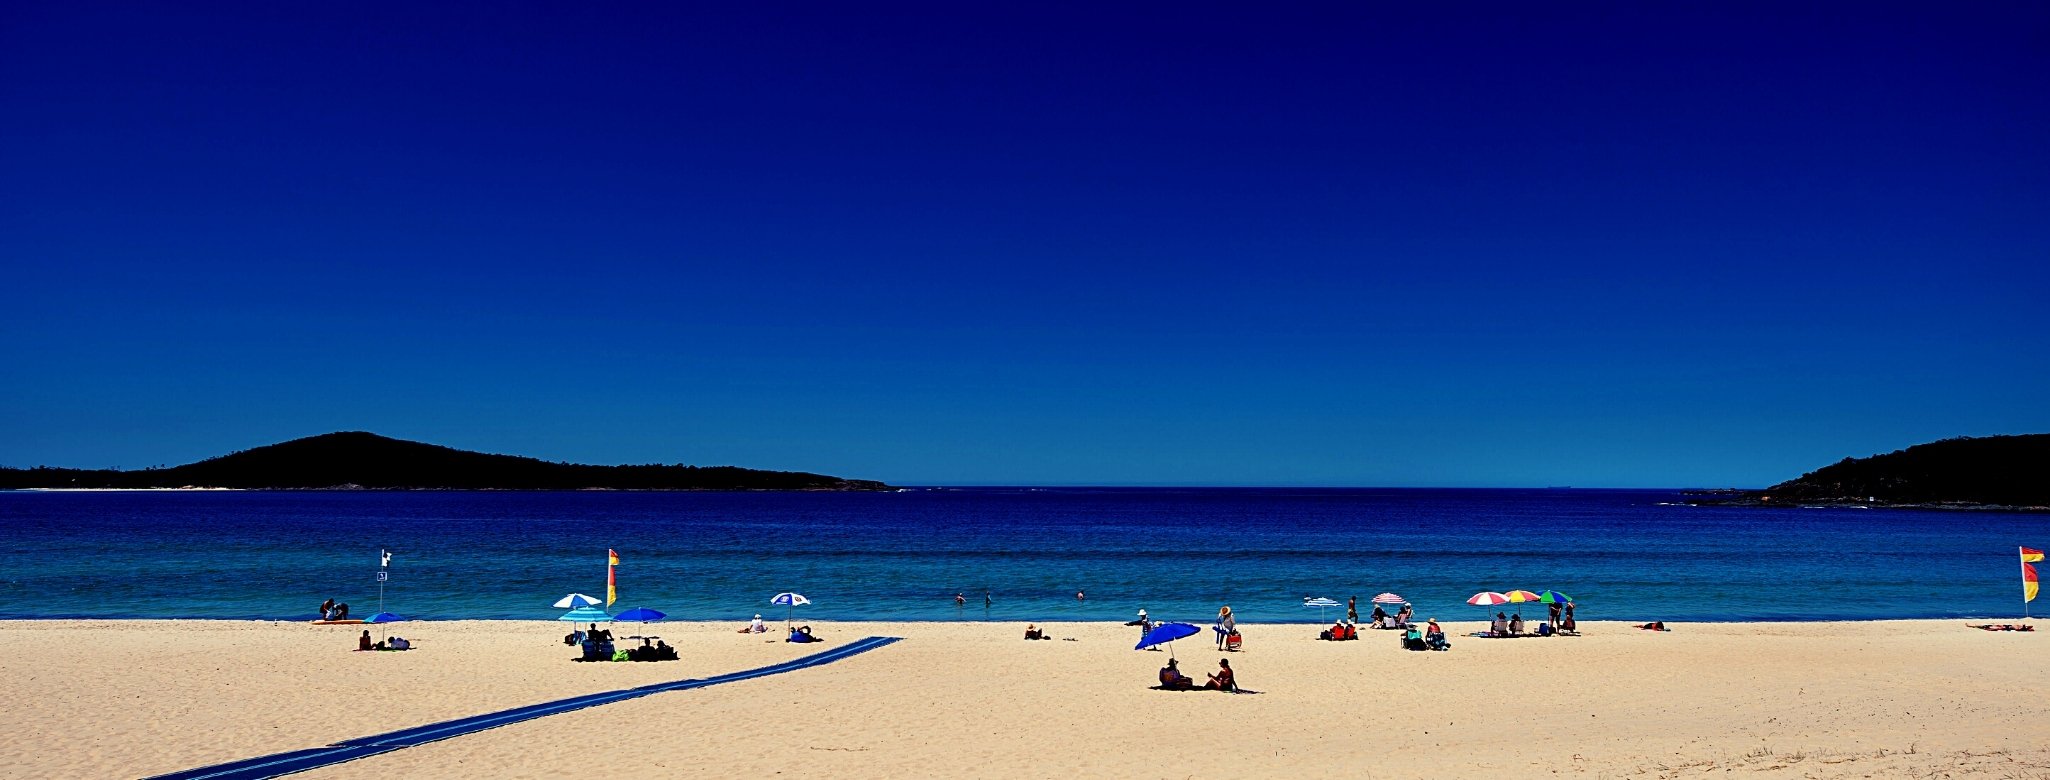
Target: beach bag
619, 655
1231, 641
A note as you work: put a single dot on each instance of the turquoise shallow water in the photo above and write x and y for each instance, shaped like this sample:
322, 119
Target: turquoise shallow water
902, 556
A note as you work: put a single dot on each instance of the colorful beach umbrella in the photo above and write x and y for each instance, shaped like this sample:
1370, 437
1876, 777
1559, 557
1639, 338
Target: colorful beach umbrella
1389, 598
1488, 599
790, 602
1521, 597
1166, 634
1552, 597
574, 600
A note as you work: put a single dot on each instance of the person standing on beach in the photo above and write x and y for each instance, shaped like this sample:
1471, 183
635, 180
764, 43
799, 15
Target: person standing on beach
1554, 618
1226, 625
1352, 610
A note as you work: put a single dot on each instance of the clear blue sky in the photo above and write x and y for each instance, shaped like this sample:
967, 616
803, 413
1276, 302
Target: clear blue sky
1348, 244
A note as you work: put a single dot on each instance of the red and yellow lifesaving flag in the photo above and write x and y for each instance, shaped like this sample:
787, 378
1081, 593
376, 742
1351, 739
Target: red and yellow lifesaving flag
612, 577
2028, 583
2031, 556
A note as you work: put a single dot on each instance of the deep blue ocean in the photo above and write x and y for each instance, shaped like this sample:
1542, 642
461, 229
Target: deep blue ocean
1622, 554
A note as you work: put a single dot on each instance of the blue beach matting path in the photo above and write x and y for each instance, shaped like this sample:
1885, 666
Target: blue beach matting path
351, 749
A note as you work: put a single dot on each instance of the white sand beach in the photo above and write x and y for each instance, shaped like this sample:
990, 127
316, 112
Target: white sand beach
1867, 699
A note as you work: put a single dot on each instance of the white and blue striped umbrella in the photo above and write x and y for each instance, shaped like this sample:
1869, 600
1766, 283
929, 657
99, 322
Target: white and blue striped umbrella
790, 602
1320, 603
574, 600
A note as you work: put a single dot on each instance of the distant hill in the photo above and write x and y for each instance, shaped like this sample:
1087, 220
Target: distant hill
1994, 471
369, 461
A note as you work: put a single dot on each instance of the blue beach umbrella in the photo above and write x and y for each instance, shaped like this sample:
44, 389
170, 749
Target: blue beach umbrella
1552, 597
639, 615
381, 618
1166, 633
585, 615
574, 600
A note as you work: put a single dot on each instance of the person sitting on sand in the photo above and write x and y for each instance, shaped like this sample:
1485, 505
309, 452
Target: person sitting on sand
1501, 625
363, 642
756, 627
1222, 680
1435, 636
1033, 632
803, 636
399, 643
1171, 678
1404, 615
1379, 616
1659, 625
1516, 624
1413, 639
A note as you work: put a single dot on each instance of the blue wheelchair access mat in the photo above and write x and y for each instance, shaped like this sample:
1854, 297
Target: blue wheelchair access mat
351, 749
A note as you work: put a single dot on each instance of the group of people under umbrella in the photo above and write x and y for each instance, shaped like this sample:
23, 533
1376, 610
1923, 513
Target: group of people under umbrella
1559, 619
1390, 611
597, 643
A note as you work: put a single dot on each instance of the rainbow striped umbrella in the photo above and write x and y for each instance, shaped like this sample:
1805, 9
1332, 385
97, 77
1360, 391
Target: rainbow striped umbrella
1553, 597
1488, 599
